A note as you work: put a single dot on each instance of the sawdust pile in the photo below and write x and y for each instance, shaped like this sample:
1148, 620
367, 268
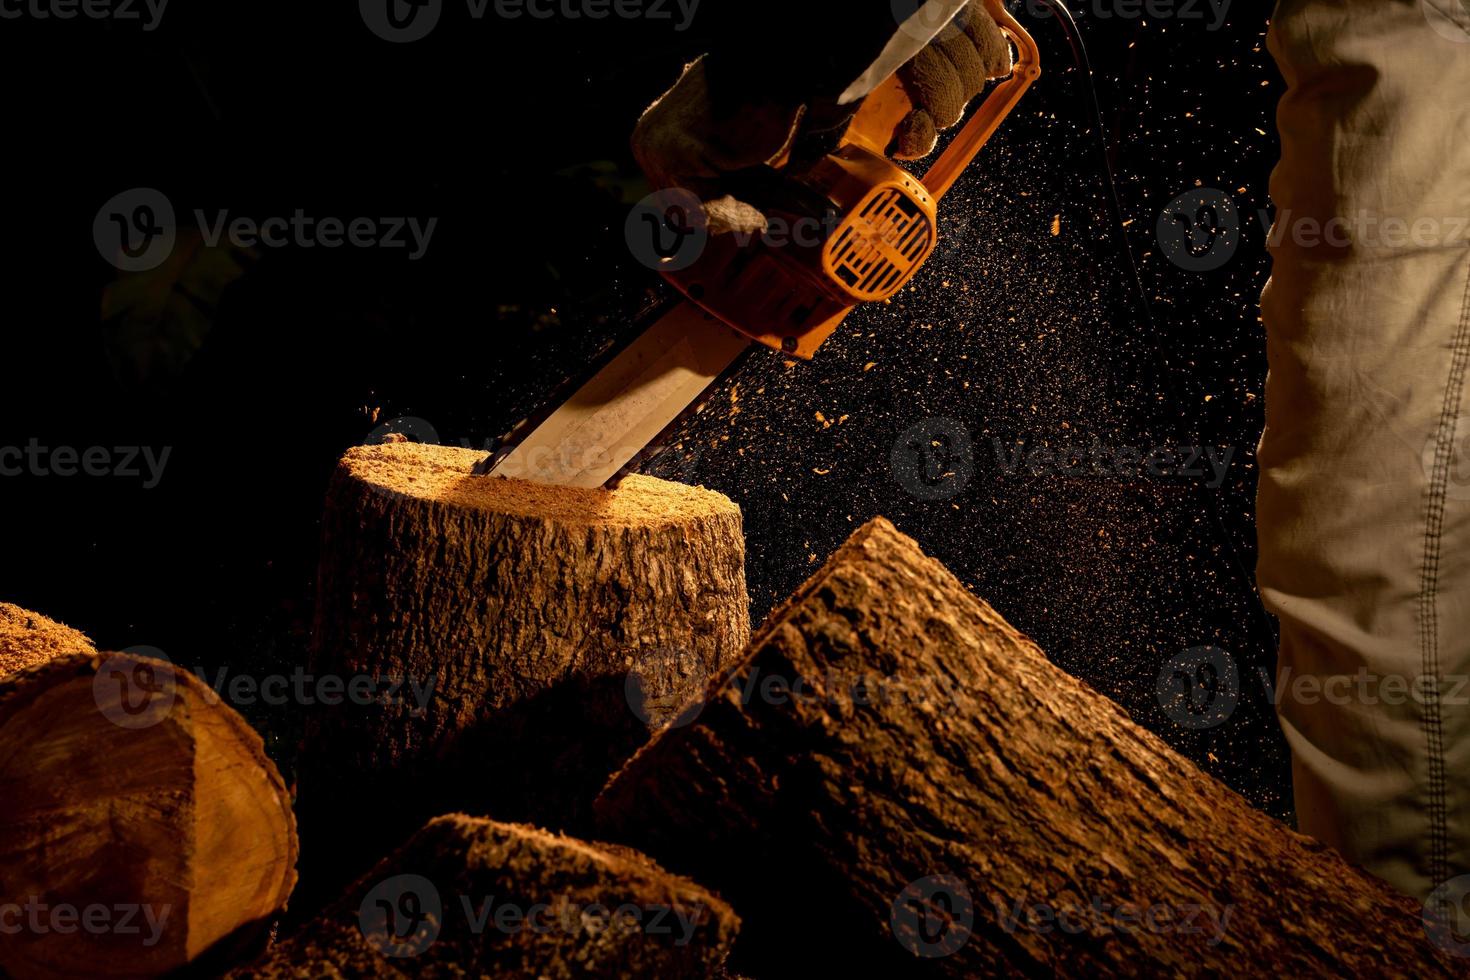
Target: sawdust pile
28, 638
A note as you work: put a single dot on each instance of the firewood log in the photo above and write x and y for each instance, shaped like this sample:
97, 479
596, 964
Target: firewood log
468, 897
530, 637
903, 783
142, 826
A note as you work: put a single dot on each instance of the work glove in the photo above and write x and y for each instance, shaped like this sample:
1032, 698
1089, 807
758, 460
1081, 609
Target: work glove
683, 140
944, 76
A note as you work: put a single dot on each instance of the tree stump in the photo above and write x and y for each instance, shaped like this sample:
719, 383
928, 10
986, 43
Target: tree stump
471, 897
144, 827
534, 634
28, 638
897, 769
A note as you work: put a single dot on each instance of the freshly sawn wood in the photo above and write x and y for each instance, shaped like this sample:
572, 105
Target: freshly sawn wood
468, 897
28, 638
530, 635
901, 773
145, 829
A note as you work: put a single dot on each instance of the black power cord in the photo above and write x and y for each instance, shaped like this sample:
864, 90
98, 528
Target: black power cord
1156, 342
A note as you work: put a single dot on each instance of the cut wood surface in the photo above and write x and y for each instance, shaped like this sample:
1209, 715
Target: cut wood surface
898, 782
144, 826
468, 897
28, 638
534, 634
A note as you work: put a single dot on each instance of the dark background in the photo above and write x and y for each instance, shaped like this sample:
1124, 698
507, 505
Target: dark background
259, 368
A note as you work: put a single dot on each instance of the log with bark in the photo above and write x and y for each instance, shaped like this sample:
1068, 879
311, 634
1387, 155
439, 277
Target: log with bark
528, 637
906, 786
468, 897
144, 827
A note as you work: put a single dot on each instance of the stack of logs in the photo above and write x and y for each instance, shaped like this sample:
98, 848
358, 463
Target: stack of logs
886, 780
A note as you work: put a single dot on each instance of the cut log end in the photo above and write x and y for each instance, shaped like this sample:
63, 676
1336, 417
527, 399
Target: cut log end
28, 638
130, 789
441, 474
472, 897
534, 636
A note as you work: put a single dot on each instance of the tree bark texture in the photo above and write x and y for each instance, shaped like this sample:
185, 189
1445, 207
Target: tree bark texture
468, 897
908, 778
531, 637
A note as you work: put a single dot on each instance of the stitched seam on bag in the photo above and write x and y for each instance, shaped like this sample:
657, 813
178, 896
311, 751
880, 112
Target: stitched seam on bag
1431, 721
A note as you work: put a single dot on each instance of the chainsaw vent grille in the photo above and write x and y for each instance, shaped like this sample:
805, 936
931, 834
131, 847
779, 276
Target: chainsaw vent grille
881, 245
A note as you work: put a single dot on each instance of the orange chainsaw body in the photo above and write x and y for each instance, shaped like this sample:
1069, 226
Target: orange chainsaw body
790, 287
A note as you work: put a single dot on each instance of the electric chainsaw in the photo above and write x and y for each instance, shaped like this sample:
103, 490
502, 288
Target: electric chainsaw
878, 225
